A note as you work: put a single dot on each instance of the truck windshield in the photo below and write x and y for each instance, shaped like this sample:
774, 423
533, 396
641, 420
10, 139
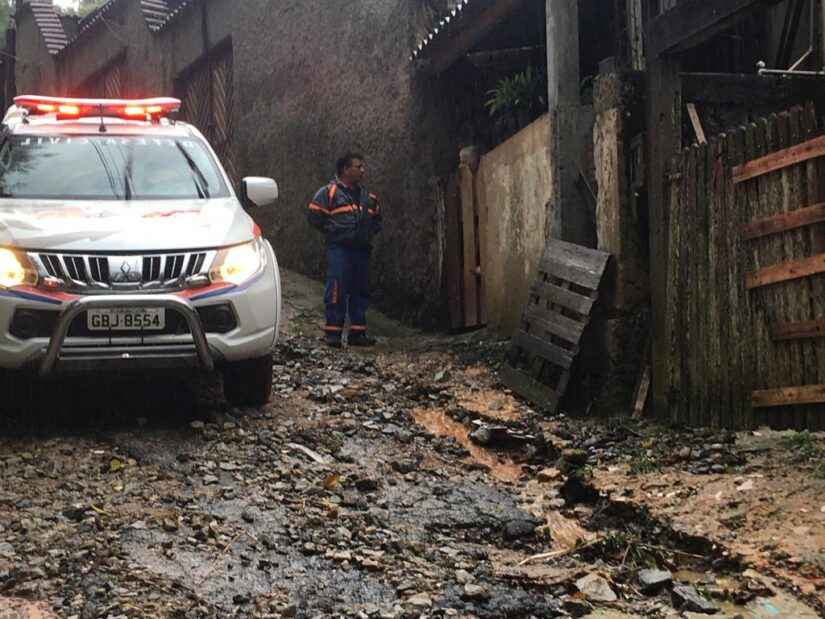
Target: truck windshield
108, 168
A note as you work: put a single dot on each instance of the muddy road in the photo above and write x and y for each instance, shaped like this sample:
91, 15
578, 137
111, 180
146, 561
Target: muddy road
397, 482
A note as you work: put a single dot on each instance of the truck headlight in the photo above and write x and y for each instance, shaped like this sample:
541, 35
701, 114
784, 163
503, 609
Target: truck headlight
15, 271
238, 264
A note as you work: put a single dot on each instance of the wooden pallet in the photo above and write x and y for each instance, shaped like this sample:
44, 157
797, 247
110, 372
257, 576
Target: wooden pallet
559, 308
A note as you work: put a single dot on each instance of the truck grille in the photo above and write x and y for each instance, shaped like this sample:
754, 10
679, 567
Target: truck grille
157, 271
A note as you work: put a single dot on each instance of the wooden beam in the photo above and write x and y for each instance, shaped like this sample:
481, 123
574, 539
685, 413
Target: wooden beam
784, 222
564, 297
736, 89
552, 353
692, 22
789, 396
794, 269
780, 160
805, 330
528, 386
697, 124
466, 30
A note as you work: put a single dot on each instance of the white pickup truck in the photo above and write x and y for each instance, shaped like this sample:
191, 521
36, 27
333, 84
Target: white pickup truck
123, 246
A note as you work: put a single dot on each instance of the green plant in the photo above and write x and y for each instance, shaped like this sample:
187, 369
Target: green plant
642, 464
802, 442
805, 445
520, 92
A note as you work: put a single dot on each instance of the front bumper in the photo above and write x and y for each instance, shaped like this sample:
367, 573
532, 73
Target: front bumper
123, 356
256, 306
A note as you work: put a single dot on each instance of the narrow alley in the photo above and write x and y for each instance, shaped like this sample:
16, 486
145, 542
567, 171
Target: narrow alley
400, 483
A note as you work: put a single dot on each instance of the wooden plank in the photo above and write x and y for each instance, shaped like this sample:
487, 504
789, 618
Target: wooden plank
528, 387
482, 240
556, 295
806, 329
547, 322
691, 289
722, 218
663, 135
740, 315
814, 175
789, 396
797, 295
781, 159
784, 222
687, 286
692, 22
787, 271
717, 392
673, 307
783, 363
642, 391
453, 252
762, 357
466, 184
574, 263
697, 123
702, 383
552, 353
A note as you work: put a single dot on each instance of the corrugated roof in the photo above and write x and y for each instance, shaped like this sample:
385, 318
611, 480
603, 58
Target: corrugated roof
93, 18
49, 24
443, 28
157, 13
182, 5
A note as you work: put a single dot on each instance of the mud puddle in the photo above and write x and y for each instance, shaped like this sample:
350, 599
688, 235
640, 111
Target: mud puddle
436, 422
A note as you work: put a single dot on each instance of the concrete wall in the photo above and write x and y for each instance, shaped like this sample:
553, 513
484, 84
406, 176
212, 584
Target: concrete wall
514, 188
313, 82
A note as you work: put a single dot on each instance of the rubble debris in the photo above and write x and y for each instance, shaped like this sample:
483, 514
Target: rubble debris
652, 581
596, 589
687, 599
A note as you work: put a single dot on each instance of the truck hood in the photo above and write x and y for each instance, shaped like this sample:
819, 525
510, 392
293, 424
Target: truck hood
135, 226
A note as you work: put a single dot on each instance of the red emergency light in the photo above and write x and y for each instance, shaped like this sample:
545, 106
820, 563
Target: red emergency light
66, 108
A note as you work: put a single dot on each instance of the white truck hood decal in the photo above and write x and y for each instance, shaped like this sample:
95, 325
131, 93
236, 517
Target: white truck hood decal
137, 226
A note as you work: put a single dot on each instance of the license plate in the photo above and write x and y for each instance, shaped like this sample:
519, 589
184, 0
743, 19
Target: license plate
126, 319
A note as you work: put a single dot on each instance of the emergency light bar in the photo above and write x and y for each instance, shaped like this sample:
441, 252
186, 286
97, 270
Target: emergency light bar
65, 108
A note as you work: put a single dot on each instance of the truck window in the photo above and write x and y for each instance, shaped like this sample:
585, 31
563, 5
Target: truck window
108, 168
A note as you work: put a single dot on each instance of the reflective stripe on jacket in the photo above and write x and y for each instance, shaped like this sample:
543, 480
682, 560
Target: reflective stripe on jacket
341, 218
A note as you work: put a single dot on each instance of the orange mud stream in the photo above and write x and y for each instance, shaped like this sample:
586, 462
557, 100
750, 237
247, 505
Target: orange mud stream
437, 423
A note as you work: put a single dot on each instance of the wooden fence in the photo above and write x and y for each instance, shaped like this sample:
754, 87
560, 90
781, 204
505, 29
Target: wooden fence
746, 290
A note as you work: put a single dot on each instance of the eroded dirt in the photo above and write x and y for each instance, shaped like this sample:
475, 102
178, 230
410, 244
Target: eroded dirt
398, 482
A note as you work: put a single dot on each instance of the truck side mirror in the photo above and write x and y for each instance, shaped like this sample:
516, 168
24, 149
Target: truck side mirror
258, 191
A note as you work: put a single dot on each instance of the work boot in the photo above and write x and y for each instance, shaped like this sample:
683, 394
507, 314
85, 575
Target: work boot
333, 340
361, 339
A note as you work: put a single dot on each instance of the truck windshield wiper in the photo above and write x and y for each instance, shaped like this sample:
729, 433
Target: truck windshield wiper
201, 184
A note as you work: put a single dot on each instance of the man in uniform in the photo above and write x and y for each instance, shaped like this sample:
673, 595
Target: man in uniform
350, 217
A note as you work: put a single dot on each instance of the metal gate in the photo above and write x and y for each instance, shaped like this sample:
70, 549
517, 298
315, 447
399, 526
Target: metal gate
206, 90
107, 84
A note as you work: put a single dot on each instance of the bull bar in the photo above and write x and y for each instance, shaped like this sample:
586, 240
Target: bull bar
162, 301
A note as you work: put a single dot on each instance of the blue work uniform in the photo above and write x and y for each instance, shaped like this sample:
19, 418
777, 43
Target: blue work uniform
350, 217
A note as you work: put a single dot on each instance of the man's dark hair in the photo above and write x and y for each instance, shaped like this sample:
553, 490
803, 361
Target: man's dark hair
346, 161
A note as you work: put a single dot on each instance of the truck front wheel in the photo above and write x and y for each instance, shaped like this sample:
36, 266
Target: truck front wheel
248, 383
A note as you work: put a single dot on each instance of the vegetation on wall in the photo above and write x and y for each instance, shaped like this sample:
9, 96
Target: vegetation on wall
516, 101
524, 92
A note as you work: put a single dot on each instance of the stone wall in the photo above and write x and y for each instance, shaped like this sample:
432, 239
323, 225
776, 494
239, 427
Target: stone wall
514, 188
